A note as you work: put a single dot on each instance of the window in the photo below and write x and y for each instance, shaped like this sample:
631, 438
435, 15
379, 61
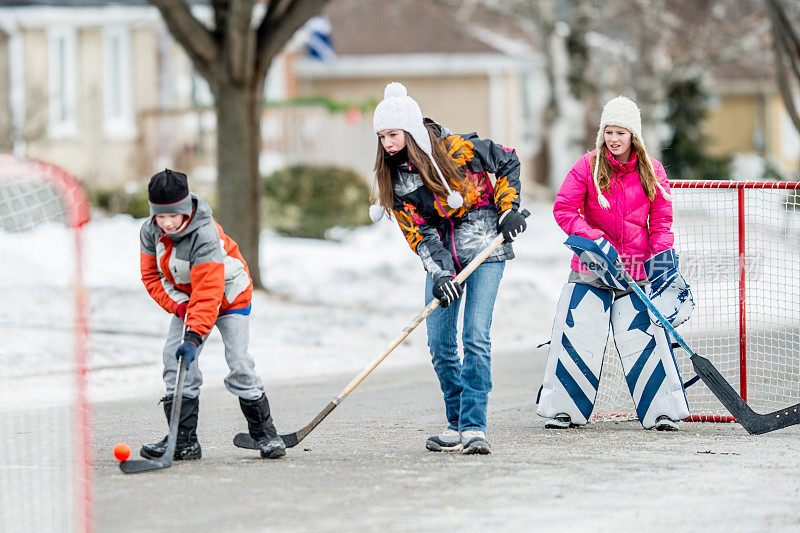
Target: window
62, 82
790, 145
275, 85
201, 92
117, 104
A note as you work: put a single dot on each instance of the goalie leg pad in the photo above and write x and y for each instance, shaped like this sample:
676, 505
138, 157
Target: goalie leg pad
578, 341
648, 362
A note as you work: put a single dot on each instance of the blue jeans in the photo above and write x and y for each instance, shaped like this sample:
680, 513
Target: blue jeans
465, 385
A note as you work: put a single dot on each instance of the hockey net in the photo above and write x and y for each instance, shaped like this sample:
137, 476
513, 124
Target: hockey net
739, 246
45, 459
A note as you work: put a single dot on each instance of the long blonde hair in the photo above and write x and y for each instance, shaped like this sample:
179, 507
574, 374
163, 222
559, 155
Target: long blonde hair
430, 178
643, 166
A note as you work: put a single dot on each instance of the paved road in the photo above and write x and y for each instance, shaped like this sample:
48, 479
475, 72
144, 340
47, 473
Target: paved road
366, 468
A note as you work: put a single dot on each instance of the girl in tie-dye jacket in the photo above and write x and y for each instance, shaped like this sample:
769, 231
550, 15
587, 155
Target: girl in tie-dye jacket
436, 185
446, 243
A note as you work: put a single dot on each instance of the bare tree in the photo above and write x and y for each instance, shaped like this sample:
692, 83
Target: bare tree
559, 28
786, 47
655, 43
596, 50
233, 56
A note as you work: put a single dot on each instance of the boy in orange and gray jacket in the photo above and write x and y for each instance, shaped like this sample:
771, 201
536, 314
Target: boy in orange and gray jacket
196, 273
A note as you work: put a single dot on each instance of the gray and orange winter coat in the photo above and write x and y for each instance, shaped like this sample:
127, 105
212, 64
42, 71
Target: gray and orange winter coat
446, 239
198, 264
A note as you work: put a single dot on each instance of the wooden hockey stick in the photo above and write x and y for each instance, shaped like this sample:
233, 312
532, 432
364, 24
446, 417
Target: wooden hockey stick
244, 440
754, 423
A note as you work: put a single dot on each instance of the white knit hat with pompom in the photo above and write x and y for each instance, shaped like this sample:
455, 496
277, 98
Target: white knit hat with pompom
624, 113
398, 111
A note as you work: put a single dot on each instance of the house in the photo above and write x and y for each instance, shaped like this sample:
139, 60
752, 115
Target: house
463, 75
100, 88
749, 116
75, 88
493, 81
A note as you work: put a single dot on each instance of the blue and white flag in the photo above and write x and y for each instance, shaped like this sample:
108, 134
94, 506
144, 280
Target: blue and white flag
319, 44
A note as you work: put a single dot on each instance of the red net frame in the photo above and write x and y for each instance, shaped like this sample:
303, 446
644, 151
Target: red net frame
74, 213
756, 223
740, 187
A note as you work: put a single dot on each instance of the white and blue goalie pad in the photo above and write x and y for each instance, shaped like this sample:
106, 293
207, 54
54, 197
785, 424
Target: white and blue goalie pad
669, 291
601, 258
575, 359
578, 343
648, 362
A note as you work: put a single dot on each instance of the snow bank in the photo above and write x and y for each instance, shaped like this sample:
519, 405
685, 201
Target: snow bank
330, 306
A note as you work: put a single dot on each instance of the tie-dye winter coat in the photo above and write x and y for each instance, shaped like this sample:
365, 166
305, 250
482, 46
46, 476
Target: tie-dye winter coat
635, 225
198, 264
447, 242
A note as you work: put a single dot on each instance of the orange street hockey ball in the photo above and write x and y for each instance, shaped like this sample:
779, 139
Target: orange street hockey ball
122, 451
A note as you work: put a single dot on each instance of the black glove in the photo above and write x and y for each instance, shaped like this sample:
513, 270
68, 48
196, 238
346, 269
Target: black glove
188, 348
447, 290
511, 224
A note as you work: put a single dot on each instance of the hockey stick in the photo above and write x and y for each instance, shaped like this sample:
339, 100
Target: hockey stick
165, 461
244, 440
754, 423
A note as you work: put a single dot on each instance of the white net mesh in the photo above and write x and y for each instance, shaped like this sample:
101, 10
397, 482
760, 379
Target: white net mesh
43, 452
707, 237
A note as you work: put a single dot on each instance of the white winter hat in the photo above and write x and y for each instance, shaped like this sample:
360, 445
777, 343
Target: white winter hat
398, 111
624, 113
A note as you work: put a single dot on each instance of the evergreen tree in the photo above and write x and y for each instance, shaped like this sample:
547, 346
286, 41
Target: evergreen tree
684, 153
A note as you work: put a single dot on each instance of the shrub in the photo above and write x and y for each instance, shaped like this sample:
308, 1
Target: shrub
121, 200
306, 200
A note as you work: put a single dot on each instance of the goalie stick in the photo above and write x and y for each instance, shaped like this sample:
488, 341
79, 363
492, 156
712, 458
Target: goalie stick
165, 461
754, 423
244, 440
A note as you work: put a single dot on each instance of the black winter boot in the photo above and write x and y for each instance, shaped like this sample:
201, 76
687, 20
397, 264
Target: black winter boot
187, 446
259, 423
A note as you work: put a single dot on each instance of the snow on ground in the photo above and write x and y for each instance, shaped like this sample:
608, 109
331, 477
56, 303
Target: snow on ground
330, 306
333, 305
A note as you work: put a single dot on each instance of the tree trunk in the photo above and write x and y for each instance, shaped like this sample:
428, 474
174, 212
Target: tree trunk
238, 181
234, 57
564, 116
6, 124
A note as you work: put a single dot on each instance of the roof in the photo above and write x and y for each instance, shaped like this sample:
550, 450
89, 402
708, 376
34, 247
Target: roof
71, 3
366, 27
84, 3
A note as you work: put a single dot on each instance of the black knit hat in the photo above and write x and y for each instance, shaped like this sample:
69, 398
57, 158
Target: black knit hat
168, 192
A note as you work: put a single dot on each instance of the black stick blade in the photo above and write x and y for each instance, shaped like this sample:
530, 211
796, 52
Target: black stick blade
290, 440
141, 465
752, 422
244, 440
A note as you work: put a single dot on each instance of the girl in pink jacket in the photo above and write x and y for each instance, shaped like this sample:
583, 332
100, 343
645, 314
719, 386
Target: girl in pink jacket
619, 194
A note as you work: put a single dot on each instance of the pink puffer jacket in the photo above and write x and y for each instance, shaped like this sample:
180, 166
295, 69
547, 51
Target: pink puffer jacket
636, 226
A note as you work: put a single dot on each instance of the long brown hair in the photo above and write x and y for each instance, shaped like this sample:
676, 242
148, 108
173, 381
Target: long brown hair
643, 166
420, 160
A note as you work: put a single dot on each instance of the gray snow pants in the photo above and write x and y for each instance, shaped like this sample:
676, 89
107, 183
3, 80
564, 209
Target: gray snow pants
242, 379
